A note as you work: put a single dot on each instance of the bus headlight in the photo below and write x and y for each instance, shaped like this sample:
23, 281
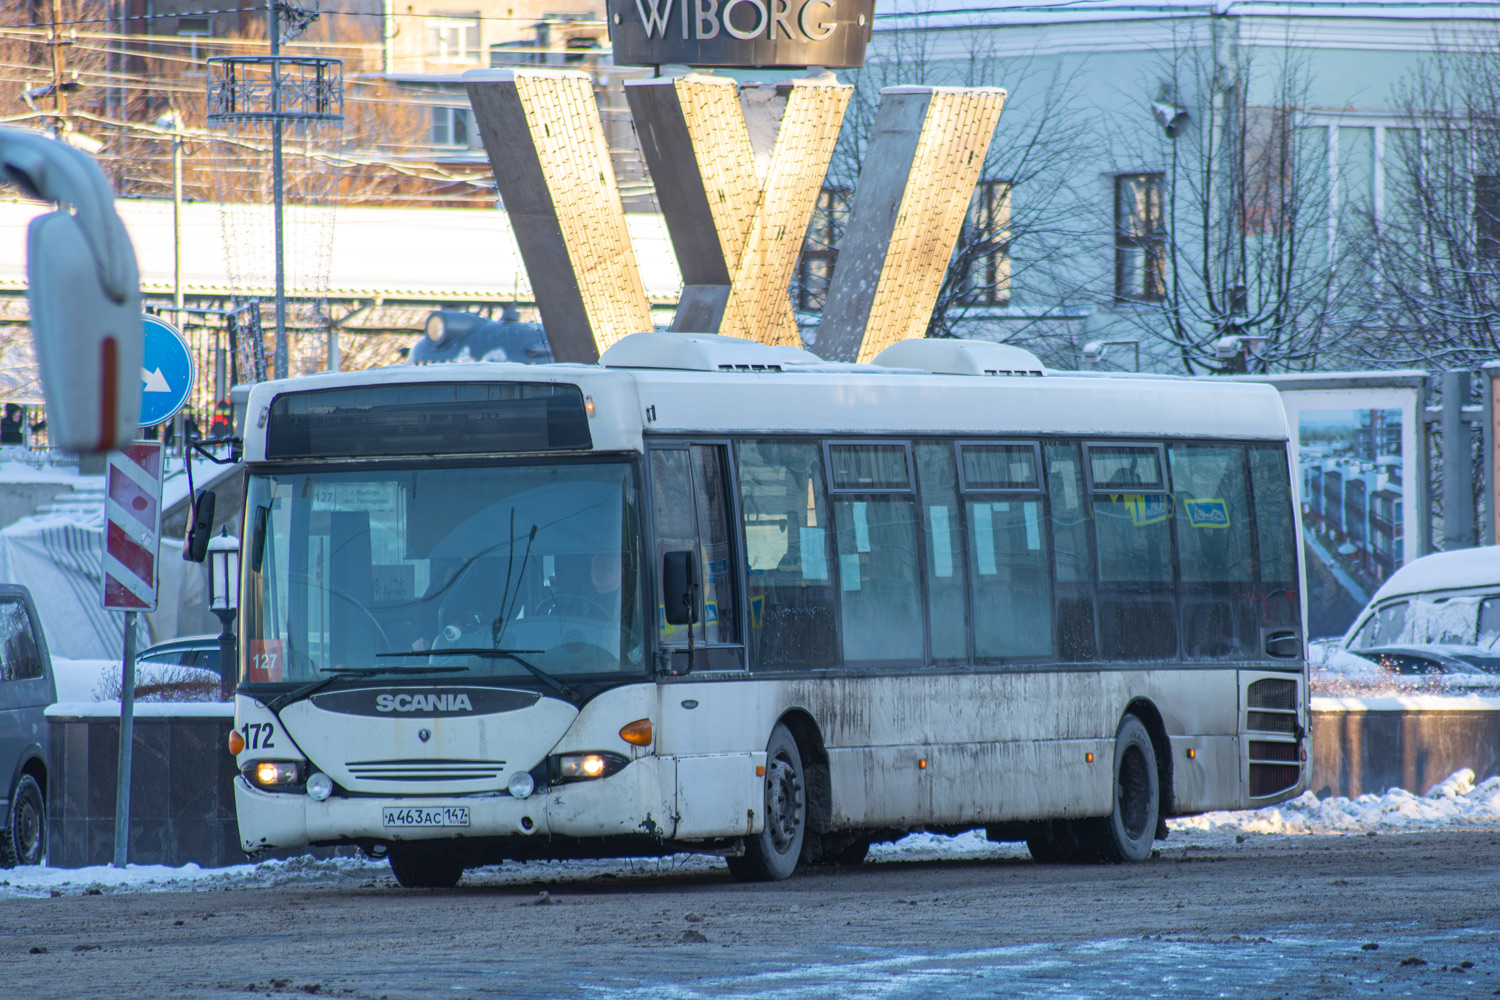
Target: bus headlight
273, 775
319, 785
586, 766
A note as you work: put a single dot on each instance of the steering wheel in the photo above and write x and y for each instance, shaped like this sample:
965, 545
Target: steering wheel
555, 604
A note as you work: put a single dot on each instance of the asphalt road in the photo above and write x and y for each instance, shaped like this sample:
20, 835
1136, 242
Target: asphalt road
1335, 916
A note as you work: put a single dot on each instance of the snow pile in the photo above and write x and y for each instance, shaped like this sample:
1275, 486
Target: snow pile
1455, 801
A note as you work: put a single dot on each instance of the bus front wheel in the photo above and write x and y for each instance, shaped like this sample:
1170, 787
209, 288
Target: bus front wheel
772, 854
425, 868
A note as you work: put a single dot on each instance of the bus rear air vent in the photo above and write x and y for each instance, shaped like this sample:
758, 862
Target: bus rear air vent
960, 357
696, 352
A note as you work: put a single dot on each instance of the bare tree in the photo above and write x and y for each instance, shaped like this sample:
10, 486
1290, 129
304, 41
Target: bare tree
1226, 231
1024, 228
1435, 249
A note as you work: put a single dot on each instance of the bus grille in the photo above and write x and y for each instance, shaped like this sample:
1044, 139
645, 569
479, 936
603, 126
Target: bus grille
426, 770
1271, 707
1268, 779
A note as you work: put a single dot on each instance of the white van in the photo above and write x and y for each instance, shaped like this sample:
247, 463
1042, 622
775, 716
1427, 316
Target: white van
1445, 599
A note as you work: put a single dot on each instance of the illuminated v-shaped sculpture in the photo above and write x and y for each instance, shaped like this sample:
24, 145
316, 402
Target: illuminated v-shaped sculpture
737, 177
737, 230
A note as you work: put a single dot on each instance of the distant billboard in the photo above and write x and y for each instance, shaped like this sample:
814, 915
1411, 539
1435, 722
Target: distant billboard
1362, 483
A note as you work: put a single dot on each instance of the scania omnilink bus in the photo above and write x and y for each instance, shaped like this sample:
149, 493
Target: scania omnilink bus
710, 595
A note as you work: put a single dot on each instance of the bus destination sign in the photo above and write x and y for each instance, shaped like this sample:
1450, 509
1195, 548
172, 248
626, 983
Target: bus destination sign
741, 33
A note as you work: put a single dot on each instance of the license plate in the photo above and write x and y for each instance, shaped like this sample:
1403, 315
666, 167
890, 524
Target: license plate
425, 816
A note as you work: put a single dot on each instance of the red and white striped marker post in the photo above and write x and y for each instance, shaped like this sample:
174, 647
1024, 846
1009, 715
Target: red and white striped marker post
132, 543
132, 514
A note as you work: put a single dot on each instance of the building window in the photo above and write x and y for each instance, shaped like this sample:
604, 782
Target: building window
1140, 238
1487, 215
982, 257
453, 37
450, 127
820, 249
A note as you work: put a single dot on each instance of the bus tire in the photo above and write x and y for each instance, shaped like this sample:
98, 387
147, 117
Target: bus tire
418, 868
772, 854
1127, 833
1062, 842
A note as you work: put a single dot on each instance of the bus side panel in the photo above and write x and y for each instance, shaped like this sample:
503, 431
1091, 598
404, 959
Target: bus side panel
1210, 779
969, 782
998, 745
720, 795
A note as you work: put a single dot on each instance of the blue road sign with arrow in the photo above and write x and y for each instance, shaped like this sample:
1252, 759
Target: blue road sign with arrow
166, 372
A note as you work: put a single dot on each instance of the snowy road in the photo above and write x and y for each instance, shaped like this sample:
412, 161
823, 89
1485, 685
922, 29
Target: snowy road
1380, 897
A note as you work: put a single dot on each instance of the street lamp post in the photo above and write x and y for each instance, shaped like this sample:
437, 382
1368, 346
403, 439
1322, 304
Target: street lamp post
223, 601
172, 122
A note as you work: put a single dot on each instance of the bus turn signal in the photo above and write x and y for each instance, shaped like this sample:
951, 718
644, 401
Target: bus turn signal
236, 742
637, 732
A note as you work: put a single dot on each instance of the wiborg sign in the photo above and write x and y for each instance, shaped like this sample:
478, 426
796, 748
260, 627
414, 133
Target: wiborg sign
744, 33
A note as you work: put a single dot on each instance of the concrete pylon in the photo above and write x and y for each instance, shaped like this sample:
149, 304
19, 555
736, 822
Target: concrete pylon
737, 177
546, 146
920, 167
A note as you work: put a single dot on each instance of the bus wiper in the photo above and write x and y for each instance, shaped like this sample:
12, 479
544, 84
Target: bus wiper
509, 654
394, 669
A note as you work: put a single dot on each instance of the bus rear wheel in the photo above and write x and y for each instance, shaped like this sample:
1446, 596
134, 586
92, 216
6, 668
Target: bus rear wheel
1126, 834
425, 868
772, 854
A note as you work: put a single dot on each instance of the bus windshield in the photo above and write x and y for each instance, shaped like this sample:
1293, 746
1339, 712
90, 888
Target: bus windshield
408, 570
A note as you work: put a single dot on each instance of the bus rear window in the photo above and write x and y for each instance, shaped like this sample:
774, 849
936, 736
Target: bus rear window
463, 418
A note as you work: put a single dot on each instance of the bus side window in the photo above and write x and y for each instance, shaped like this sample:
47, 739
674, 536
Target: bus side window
692, 512
947, 600
1215, 551
792, 602
880, 590
1010, 575
672, 515
1072, 554
1278, 598
1137, 598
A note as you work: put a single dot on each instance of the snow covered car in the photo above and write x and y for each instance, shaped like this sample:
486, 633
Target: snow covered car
1447, 598
1437, 660
1435, 622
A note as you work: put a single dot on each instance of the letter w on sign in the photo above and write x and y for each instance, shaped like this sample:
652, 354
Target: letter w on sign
654, 14
737, 178
132, 533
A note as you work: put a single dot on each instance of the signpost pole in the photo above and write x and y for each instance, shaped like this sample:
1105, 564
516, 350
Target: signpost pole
127, 744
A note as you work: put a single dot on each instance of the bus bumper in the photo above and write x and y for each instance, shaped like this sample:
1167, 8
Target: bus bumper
631, 803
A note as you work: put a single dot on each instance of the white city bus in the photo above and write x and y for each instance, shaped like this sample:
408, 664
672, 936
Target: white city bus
714, 596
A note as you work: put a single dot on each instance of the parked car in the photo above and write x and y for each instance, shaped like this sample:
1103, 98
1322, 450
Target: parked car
185, 669
27, 687
1434, 624
1435, 660
1447, 598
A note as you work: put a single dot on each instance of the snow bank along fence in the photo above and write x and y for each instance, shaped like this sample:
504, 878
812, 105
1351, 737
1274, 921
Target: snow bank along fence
1369, 745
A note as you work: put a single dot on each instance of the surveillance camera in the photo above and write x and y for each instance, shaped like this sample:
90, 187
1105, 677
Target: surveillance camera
1171, 117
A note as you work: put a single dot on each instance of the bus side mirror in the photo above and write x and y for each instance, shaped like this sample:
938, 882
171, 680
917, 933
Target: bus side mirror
679, 575
200, 527
1283, 644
